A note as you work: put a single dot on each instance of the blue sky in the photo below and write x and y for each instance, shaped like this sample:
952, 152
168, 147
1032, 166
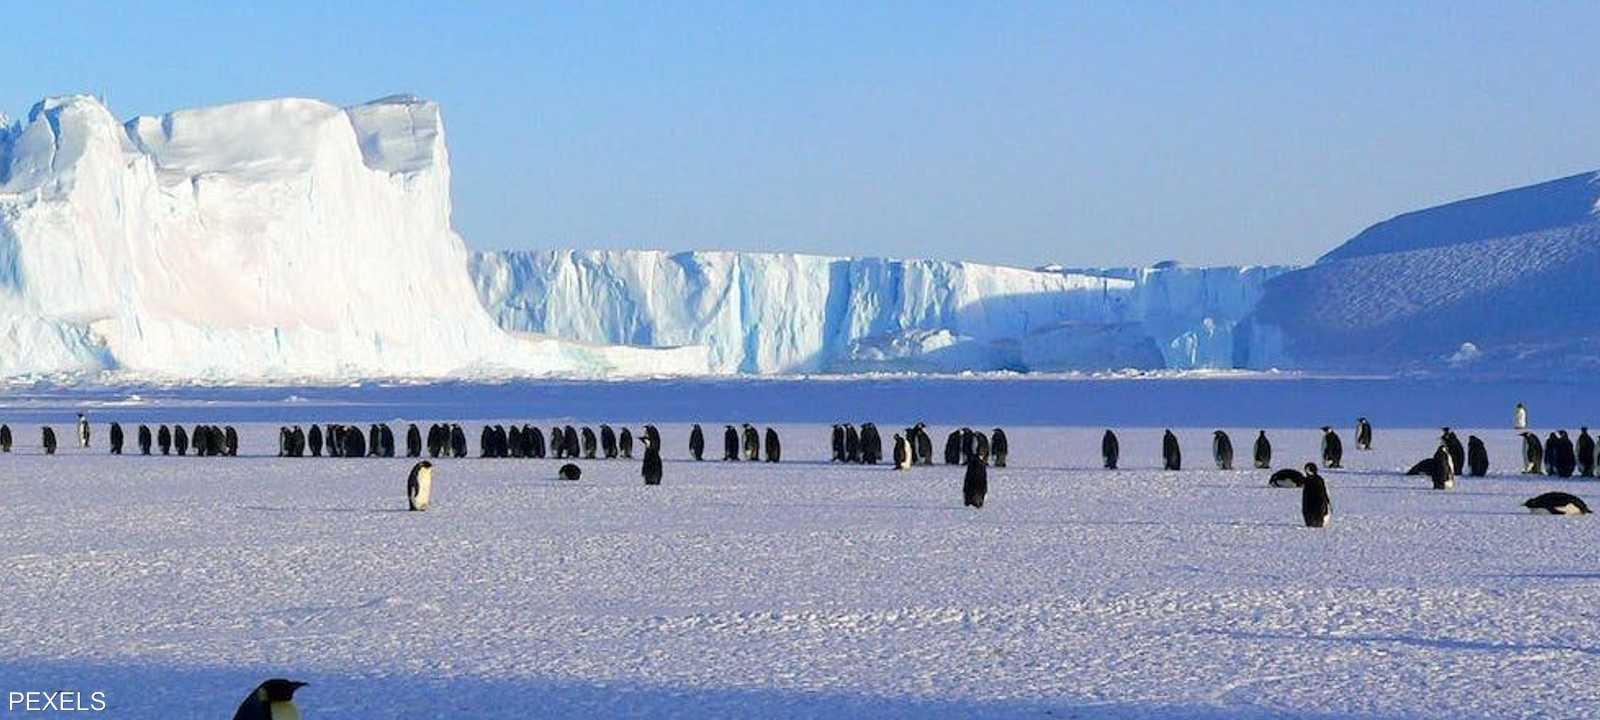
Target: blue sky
1079, 133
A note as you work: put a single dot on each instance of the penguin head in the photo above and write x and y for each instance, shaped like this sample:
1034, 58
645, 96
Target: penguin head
1563, 434
1311, 468
278, 690
1326, 428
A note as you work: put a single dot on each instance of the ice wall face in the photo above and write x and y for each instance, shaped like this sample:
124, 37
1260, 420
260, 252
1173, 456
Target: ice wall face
782, 313
280, 239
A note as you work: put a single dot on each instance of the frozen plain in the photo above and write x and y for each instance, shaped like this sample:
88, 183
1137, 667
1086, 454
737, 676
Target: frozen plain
805, 589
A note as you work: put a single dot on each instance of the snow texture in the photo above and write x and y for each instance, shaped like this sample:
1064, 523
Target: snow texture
803, 589
276, 239
770, 313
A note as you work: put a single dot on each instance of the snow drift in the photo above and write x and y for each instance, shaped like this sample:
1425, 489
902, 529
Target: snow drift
782, 313
262, 240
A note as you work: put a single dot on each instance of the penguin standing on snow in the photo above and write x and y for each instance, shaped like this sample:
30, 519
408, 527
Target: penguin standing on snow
774, 448
1452, 445
730, 444
1557, 503
1444, 473
83, 431
413, 441
837, 443
144, 439
924, 445
608, 441
272, 700
116, 438
1519, 418
1332, 448
1586, 460
871, 444
164, 439
1222, 450
1551, 453
1315, 507
651, 470
625, 443
5, 438
1477, 457
1171, 454
952, 448
902, 453
1110, 449
590, 444
419, 485
1263, 451
48, 439
975, 485
1566, 456
180, 440
1363, 434
852, 444
697, 442
1532, 454
752, 443
1000, 447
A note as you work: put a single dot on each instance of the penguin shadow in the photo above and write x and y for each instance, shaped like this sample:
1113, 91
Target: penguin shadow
1423, 643
836, 506
340, 510
1547, 576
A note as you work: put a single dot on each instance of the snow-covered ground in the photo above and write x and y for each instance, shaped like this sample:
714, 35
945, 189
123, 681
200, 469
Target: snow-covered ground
803, 589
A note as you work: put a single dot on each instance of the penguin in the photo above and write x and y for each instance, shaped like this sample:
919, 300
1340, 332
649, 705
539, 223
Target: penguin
608, 442
1532, 454
924, 445
952, 448
116, 438
230, 442
752, 443
1222, 450
1363, 434
1424, 466
271, 700
697, 443
1332, 448
774, 447
1477, 457
1444, 473
180, 440
298, 442
570, 471
419, 485
48, 439
413, 441
1557, 503
651, 470
1519, 418
314, 439
518, 445
590, 444
1000, 447
1566, 456
144, 439
975, 485
1585, 453
1552, 453
374, 440
1291, 478
1171, 454
83, 431
5, 438
625, 443
1263, 451
284, 441
385, 439
730, 444
871, 445
458, 441
902, 453
1110, 449
980, 447
1315, 507
164, 439
1452, 445
355, 444
852, 444
837, 442
652, 435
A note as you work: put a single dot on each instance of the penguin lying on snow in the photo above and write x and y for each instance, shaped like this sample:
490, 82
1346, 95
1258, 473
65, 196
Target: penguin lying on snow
419, 485
570, 471
1557, 503
1291, 478
271, 700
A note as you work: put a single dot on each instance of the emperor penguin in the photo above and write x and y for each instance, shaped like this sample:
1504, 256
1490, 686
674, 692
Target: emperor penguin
975, 484
590, 444
697, 443
1110, 449
458, 441
871, 444
1290, 478
230, 441
625, 443
651, 470
180, 440
1363, 434
652, 435
1551, 453
5, 438
83, 431
1519, 418
570, 471
1444, 474
730, 444
1000, 447
1557, 503
838, 442
752, 443
1477, 457
1332, 448
924, 445
952, 448
1452, 445
1263, 451
1222, 450
1315, 507
774, 446
1566, 456
1532, 454
48, 439
902, 453
852, 444
413, 441
271, 700
385, 440
608, 442
1171, 454
980, 447
164, 439
1586, 459
116, 438
374, 440
419, 485
313, 439
144, 439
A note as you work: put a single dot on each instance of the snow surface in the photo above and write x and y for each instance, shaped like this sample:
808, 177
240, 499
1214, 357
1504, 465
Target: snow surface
772, 313
803, 589
275, 239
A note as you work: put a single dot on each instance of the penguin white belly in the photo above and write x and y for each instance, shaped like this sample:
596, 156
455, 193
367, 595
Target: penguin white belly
419, 500
1567, 509
1325, 519
283, 711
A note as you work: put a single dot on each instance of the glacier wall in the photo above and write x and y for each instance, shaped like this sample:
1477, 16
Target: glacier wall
279, 239
781, 313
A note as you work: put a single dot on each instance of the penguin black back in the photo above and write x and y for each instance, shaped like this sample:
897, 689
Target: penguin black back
1000, 447
1477, 457
774, 446
1557, 503
47, 438
5, 438
975, 484
1315, 506
730, 444
1222, 450
697, 442
1263, 451
144, 440
1110, 449
651, 470
1332, 449
1171, 454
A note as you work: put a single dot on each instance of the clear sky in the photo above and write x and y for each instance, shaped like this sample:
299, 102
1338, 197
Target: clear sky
1078, 133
